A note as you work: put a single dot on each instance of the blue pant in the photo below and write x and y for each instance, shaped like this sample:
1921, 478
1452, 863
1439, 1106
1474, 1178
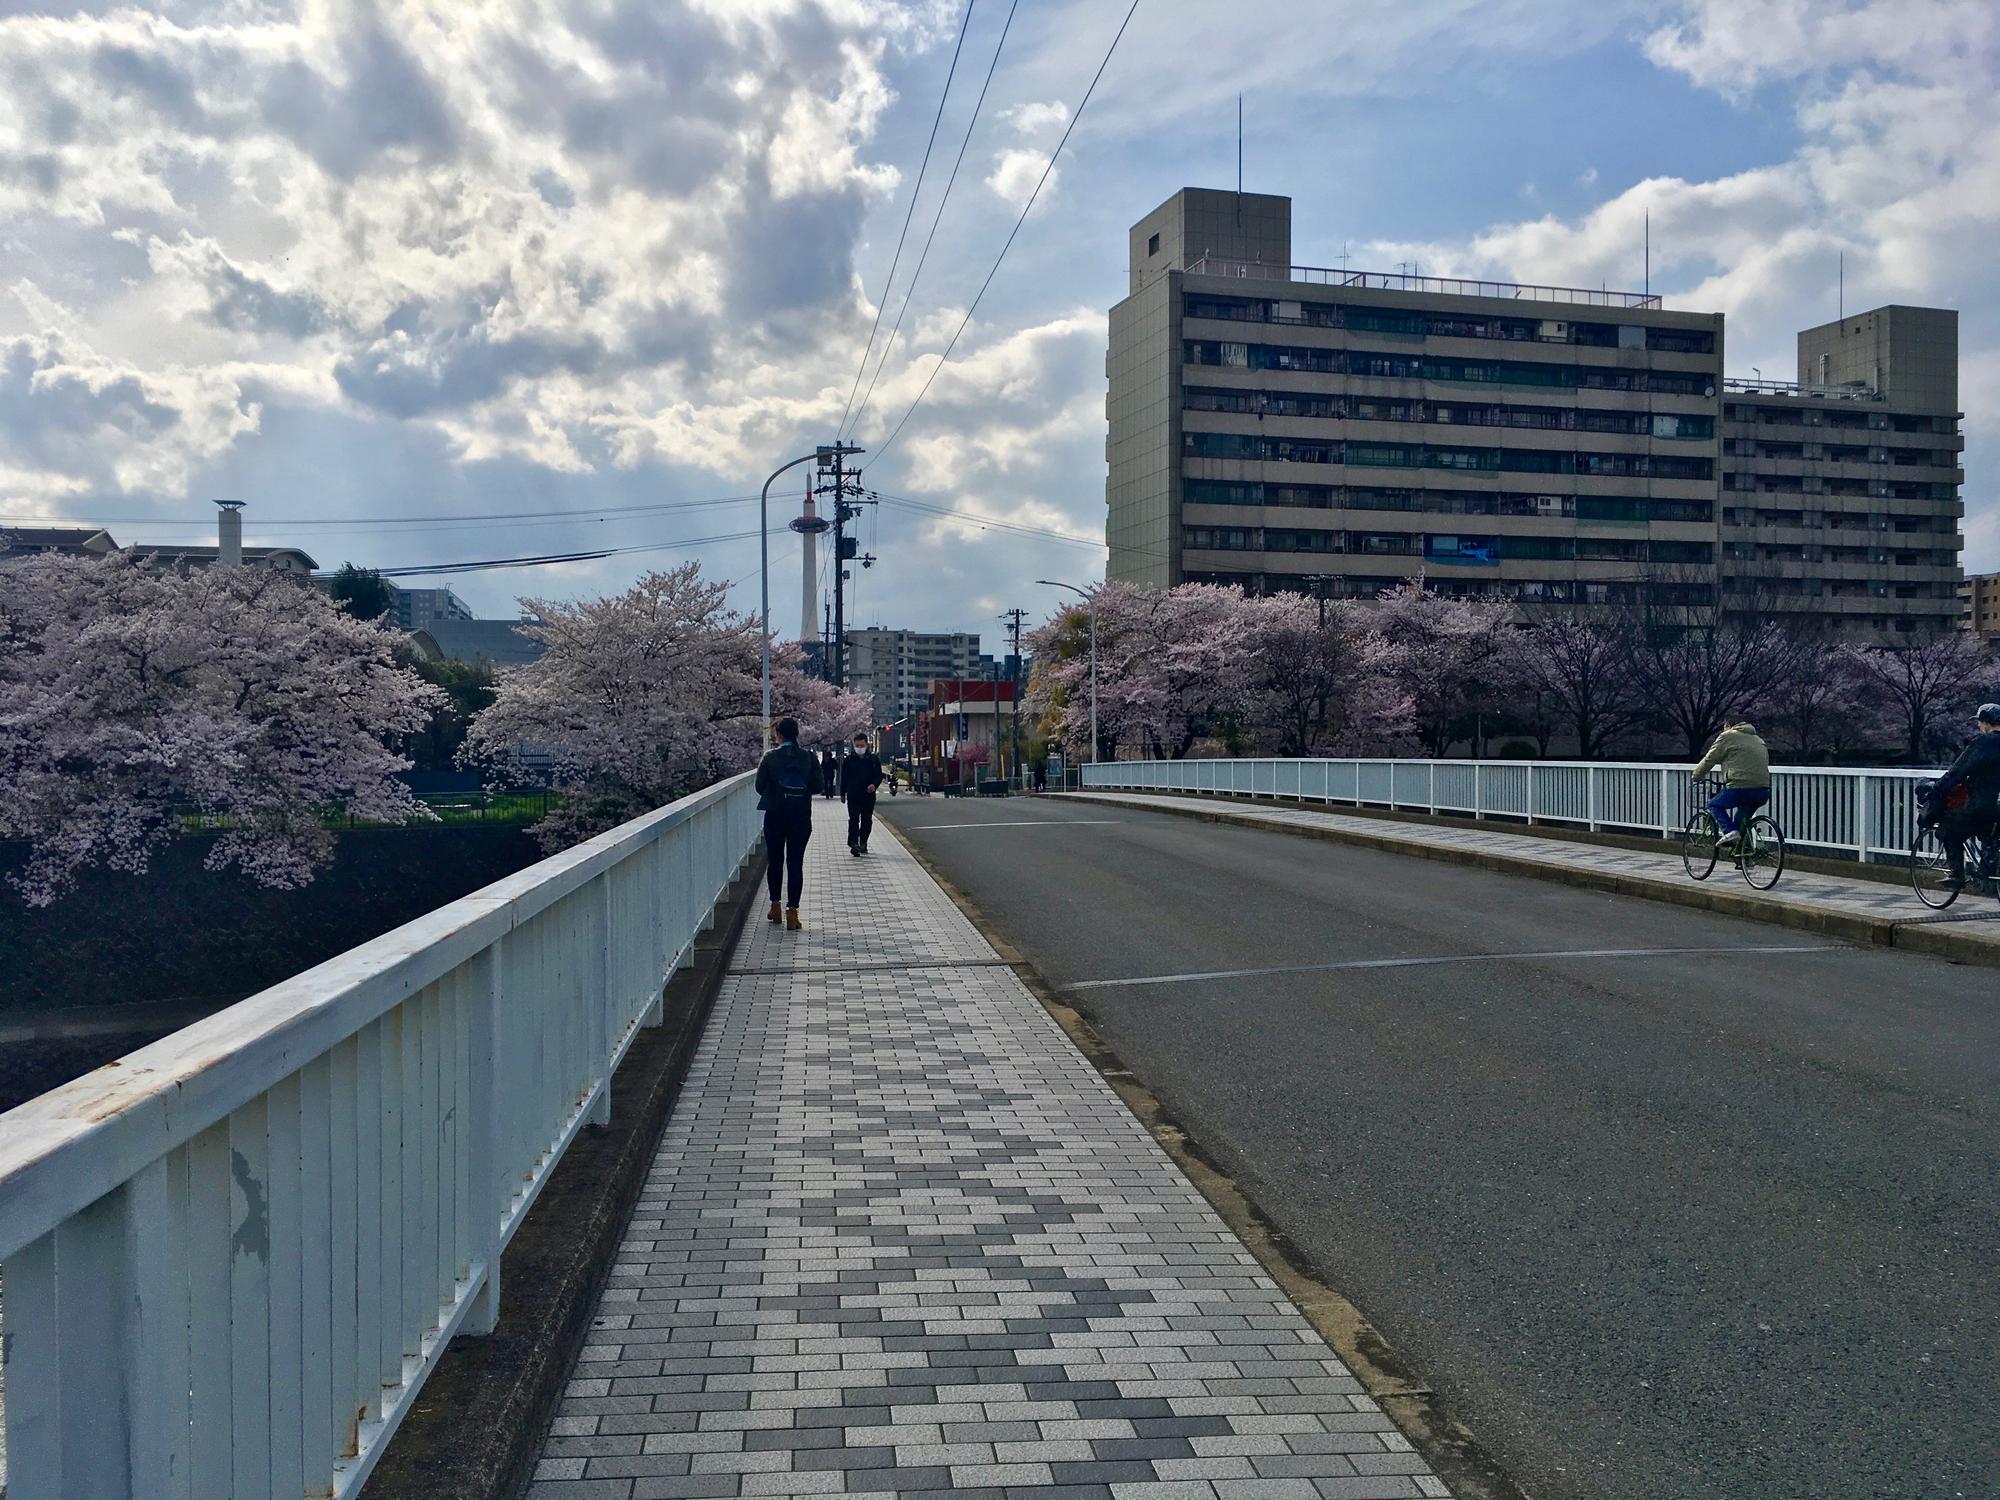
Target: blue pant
1725, 803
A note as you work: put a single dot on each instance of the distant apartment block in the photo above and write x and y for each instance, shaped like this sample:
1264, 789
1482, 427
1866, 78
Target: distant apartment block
419, 609
1979, 605
1338, 431
897, 667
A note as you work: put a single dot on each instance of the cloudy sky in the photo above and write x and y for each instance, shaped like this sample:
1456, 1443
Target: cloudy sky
396, 273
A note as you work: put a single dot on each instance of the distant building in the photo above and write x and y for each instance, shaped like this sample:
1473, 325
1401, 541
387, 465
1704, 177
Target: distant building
89, 541
287, 560
1336, 431
39, 541
897, 667
1979, 605
419, 609
1840, 495
497, 643
962, 713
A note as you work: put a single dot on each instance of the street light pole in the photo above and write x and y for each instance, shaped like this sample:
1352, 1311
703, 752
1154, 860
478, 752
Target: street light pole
764, 562
1089, 599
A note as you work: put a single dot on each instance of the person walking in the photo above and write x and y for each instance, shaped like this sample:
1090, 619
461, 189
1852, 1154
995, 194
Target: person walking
786, 780
829, 771
860, 776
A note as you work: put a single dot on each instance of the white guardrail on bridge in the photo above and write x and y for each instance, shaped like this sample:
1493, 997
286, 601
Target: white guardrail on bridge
232, 1257
1866, 813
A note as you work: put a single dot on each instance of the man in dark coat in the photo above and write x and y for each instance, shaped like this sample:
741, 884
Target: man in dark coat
1966, 799
787, 777
860, 776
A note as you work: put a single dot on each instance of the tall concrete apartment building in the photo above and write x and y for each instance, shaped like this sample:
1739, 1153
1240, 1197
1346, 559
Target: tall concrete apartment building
1841, 493
1979, 605
897, 667
1280, 426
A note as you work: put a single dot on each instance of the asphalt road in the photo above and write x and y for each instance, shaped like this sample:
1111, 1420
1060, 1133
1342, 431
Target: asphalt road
1714, 1224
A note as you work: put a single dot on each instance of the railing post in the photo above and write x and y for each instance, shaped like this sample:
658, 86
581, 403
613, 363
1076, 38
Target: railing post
608, 1024
1434, 788
1590, 796
1478, 790
1864, 819
485, 997
96, 1351
1666, 802
1531, 794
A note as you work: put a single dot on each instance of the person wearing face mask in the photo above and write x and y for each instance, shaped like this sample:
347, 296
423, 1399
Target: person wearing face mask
860, 777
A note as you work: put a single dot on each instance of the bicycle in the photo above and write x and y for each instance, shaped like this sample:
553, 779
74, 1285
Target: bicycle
1930, 870
1759, 852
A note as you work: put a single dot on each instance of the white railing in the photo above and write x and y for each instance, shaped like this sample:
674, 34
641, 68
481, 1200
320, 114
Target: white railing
1865, 813
232, 1257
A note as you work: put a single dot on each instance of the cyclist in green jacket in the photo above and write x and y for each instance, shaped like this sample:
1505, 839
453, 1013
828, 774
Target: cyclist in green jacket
1740, 753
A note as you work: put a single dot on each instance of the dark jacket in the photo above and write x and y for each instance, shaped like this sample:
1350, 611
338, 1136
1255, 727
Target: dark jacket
1977, 769
779, 765
860, 774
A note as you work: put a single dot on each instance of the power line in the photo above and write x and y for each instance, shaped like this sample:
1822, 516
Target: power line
1025, 211
917, 275
916, 188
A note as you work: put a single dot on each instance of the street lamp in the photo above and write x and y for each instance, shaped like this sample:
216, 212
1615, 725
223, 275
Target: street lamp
1091, 600
824, 454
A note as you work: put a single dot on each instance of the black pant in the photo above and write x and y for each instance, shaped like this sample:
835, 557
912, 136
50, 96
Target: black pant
1955, 828
860, 817
785, 838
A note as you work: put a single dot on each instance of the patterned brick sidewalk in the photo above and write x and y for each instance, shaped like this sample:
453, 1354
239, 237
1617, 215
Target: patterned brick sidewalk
901, 1239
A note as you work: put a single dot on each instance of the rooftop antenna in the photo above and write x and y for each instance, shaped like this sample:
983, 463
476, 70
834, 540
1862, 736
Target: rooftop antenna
1843, 284
1649, 252
1239, 161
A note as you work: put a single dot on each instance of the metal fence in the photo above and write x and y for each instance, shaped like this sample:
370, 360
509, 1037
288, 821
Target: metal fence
1865, 813
233, 1257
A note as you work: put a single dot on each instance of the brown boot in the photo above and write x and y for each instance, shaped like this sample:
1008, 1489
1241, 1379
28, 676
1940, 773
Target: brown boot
772, 914
792, 919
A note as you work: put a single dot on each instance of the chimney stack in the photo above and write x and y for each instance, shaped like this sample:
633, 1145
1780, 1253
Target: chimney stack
229, 533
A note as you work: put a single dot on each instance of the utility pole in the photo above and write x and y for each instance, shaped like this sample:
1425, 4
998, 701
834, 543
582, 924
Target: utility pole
845, 549
1013, 618
838, 676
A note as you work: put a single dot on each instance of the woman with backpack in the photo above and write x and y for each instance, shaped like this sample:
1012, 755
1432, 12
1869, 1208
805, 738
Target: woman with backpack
787, 777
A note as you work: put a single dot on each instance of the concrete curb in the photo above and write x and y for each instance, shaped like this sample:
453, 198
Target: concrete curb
1913, 936
476, 1428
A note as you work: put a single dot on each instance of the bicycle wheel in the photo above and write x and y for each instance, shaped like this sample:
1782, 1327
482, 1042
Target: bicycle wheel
1765, 861
1698, 844
1928, 868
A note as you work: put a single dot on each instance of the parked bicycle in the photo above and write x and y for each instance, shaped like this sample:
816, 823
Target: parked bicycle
1930, 868
1758, 852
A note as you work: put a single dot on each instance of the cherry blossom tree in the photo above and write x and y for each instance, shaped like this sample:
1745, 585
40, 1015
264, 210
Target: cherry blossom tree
1580, 669
1926, 690
1324, 679
131, 697
1456, 659
645, 696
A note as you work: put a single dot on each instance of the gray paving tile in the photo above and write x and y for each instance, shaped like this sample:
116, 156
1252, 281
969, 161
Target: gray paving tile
901, 1239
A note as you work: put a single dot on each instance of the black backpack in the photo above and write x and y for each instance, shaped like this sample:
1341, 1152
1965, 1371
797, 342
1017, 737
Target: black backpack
794, 781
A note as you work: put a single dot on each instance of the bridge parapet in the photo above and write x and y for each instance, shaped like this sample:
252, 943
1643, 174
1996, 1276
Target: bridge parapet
1867, 813
233, 1257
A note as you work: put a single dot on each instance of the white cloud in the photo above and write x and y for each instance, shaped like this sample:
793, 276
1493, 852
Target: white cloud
1015, 173
1033, 119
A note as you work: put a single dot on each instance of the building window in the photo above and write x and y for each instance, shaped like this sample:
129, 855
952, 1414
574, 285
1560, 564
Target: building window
1152, 244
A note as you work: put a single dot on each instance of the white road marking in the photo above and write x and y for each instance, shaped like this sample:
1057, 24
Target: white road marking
1449, 958
1018, 823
